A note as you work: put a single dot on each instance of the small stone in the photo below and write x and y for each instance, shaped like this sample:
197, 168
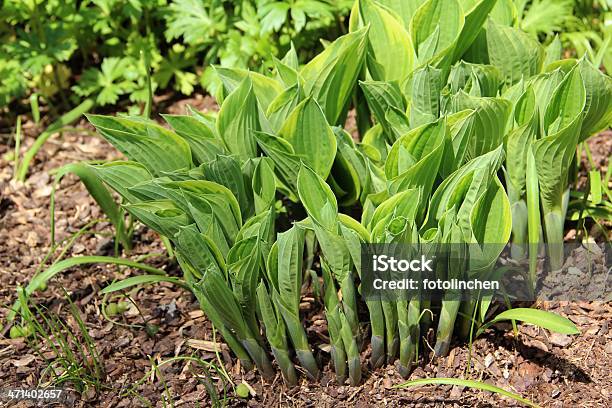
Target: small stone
555, 393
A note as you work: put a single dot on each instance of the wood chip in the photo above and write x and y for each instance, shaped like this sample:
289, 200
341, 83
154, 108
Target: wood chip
206, 345
195, 314
560, 340
23, 361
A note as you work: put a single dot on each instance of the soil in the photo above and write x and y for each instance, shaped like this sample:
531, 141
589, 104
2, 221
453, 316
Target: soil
165, 322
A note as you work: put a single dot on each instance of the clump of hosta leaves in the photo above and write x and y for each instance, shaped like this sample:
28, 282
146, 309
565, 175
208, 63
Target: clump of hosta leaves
462, 139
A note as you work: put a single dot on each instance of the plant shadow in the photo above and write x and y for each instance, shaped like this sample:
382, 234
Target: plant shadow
540, 357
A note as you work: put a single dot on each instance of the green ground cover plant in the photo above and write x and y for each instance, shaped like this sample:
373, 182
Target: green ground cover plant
467, 132
65, 50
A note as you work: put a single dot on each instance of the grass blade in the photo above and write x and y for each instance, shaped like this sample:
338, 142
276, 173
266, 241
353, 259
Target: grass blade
64, 120
540, 318
467, 383
41, 278
142, 279
100, 193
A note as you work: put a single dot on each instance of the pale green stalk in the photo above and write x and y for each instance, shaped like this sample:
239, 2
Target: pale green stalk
377, 340
390, 310
276, 334
349, 303
285, 270
450, 304
216, 320
409, 313
300, 343
334, 325
534, 222
448, 315
352, 351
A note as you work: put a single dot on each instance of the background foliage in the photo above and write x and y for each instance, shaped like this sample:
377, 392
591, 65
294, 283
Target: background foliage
100, 47
95, 47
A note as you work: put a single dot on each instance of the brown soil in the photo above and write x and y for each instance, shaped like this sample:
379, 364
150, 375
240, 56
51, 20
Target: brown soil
551, 370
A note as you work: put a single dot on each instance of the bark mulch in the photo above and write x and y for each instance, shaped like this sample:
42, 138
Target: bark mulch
165, 322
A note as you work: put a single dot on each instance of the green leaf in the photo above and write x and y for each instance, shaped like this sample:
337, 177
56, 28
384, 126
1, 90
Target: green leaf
197, 196
553, 153
156, 148
290, 258
491, 224
239, 119
318, 199
99, 192
426, 86
312, 139
598, 105
226, 171
463, 187
286, 162
465, 76
330, 76
287, 74
596, 186
553, 52
121, 176
404, 9
283, 105
435, 28
474, 20
263, 185
203, 143
547, 16
414, 159
190, 19
264, 88
389, 42
162, 216
403, 204
383, 97
203, 250
215, 290
514, 52
519, 140
488, 121
243, 265
111, 81
349, 174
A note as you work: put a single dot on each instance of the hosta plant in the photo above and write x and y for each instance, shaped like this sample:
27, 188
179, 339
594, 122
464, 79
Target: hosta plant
467, 129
